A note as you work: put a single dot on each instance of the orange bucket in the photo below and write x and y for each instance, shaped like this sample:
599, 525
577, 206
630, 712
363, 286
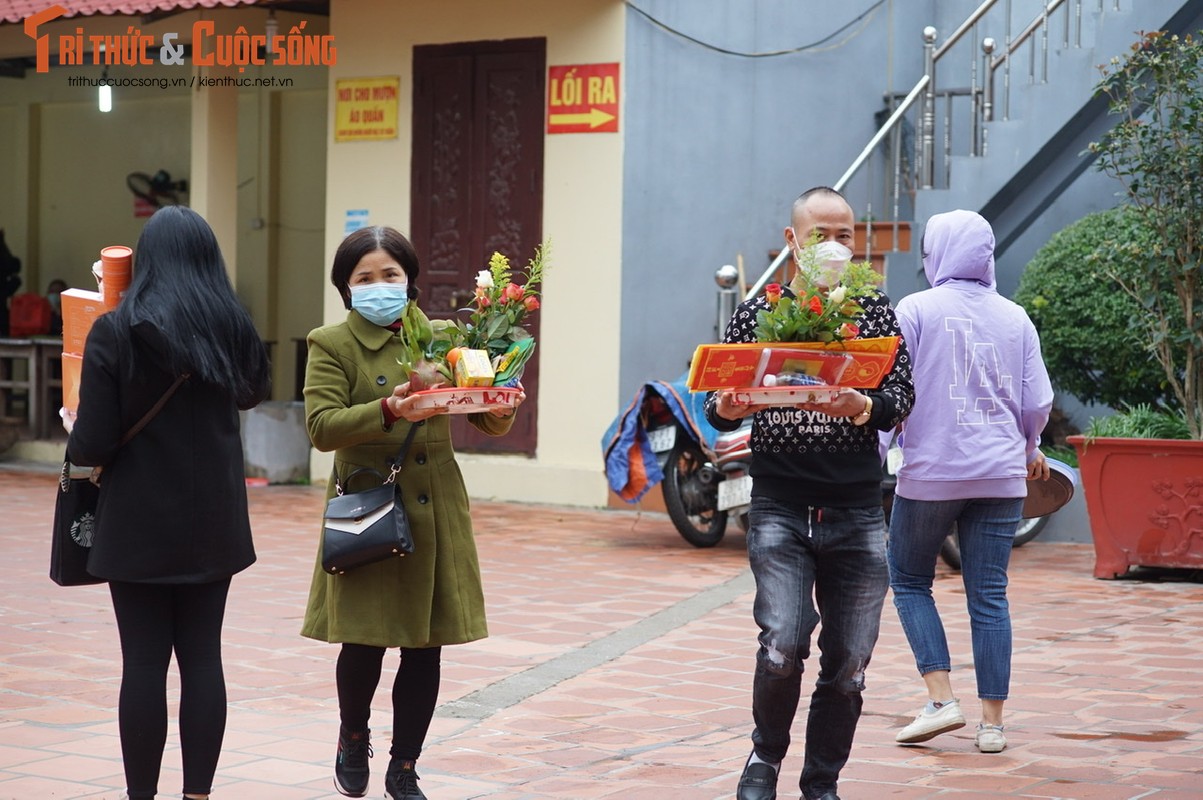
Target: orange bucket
115, 268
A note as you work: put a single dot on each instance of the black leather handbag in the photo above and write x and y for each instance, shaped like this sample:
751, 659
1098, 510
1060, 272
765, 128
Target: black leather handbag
365, 527
75, 511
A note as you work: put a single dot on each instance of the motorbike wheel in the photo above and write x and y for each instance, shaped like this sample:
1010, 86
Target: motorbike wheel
1028, 530
692, 503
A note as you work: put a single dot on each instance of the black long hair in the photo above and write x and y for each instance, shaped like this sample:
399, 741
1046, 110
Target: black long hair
181, 289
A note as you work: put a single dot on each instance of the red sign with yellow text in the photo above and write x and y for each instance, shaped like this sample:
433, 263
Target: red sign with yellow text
582, 98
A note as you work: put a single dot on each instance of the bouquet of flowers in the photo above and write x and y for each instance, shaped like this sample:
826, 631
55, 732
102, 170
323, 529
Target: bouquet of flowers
493, 328
815, 313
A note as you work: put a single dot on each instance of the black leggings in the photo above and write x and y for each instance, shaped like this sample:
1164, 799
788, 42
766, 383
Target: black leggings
154, 620
415, 693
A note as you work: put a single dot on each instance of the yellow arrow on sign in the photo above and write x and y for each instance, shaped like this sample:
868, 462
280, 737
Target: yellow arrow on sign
594, 118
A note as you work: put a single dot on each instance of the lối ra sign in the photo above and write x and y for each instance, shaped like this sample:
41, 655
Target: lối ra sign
583, 98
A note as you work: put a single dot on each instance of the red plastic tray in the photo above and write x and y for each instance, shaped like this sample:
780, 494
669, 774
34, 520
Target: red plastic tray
783, 395
466, 399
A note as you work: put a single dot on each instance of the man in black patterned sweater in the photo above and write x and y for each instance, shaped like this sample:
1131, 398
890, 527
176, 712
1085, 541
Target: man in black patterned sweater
817, 537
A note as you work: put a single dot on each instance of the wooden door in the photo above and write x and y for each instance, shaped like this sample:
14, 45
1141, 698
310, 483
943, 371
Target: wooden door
478, 185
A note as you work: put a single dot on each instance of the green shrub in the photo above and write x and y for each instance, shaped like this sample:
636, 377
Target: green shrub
1155, 150
1140, 422
1066, 454
1089, 337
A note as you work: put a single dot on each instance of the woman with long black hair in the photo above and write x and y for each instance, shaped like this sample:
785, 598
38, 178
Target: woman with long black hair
172, 524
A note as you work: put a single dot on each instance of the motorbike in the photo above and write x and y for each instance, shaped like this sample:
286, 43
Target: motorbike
663, 435
704, 486
706, 473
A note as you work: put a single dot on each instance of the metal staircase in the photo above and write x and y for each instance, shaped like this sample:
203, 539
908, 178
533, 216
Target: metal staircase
998, 123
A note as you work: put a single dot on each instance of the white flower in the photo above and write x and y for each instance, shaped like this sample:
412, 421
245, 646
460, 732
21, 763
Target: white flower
837, 295
484, 279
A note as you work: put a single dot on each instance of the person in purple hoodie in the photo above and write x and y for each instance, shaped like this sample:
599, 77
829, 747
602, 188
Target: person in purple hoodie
982, 398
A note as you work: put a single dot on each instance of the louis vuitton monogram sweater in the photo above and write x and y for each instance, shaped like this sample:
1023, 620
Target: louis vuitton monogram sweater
812, 459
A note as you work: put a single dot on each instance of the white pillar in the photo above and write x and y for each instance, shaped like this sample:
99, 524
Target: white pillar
213, 192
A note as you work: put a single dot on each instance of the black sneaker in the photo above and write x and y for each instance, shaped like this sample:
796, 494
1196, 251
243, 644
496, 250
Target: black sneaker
758, 782
401, 782
351, 762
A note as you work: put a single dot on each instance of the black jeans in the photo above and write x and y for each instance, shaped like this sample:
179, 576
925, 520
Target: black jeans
812, 563
154, 620
415, 693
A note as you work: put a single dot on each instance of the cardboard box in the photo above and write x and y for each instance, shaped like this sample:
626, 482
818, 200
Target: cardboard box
80, 308
735, 366
473, 369
825, 367
72, 366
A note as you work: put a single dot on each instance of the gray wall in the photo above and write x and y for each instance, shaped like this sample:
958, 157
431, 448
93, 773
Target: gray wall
718, 146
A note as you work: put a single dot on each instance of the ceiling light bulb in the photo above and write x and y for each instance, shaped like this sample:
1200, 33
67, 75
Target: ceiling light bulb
105, 98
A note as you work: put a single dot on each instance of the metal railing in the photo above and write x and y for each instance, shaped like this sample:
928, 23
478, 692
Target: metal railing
916, 166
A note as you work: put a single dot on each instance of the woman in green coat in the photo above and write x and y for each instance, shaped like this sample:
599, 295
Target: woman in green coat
431, 597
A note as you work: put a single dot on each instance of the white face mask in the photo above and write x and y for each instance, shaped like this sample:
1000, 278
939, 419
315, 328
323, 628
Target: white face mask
829, 257
381, 303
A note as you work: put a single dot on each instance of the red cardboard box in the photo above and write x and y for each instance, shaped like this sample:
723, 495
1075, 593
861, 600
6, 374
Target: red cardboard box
72, 364
80, 309
737, 366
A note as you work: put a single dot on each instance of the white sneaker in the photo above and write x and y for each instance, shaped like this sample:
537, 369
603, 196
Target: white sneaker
934, 719
990, 738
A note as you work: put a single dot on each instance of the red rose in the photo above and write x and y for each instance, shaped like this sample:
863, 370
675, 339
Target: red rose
531, 303
816, 305
772, 293
848, 331
512, 291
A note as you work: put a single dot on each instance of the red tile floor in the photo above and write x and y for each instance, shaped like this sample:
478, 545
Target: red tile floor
618, 667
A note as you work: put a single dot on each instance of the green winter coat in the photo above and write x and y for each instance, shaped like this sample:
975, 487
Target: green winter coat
433, 596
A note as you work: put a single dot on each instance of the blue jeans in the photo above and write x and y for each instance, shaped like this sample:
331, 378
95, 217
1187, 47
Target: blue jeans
812, 563
986, 529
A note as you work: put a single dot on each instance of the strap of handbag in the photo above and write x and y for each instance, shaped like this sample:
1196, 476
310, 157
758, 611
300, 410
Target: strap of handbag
394, 467
154, 410
130, 434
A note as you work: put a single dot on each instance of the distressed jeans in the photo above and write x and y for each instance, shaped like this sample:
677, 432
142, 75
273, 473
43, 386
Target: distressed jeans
814, 564
985, 531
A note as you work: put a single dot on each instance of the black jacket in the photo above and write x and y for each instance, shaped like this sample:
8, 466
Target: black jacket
173, 505
809, 458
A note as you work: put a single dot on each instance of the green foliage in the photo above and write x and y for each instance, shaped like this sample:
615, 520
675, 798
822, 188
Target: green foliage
1156, 151
500, 304
419, 339
1140, 422
1086, 322
1063, 453
816, 314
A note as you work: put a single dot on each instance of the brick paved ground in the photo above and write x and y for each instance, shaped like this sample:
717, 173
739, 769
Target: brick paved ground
618, 667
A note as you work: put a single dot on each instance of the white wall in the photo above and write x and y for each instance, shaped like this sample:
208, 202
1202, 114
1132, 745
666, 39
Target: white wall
582, 216
63, 193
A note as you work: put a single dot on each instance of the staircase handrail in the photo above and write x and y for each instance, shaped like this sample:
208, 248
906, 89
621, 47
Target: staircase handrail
1040, 21
857, 163
925, 88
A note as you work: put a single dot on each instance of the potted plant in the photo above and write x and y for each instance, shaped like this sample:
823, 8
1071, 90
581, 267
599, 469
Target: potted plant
1144, 489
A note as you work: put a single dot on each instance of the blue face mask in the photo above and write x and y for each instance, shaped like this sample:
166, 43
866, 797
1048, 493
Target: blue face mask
380, 303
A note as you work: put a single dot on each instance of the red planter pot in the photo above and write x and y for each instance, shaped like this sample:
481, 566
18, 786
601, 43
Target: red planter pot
1144, 498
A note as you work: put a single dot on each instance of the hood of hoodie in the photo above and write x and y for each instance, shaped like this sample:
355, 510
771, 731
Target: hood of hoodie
959, 246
